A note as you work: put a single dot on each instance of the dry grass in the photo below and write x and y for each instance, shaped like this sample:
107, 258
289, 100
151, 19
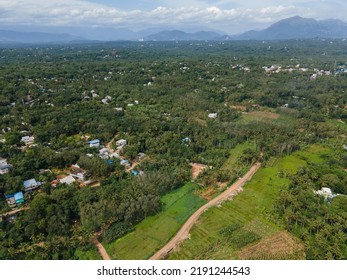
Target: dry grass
264, 115
208, 193
279, 246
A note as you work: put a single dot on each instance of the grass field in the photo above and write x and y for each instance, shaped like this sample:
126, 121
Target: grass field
153, 233
230, 231
233, 161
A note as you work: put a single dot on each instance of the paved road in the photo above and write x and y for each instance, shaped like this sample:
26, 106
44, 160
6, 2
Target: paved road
183, 233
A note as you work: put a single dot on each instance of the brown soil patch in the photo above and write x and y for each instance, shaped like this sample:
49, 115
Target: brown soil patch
279, 246
208, 193
197, 168
221, 185
264, 115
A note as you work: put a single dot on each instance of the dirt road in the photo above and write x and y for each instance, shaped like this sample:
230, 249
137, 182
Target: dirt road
101, 249
183, 233
14, 212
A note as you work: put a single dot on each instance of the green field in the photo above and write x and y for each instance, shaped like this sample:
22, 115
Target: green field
224, 232
233, 162
155, 231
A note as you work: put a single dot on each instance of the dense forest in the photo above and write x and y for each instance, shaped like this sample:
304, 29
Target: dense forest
174, 103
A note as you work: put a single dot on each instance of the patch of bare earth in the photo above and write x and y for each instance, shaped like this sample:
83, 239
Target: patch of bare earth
208, 193
278, 246
264, 115
197, 168
222, 185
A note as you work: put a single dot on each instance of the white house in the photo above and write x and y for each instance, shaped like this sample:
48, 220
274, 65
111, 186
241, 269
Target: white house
79, 174
121, 142
28, 140
212, 115
68, 180
326, 192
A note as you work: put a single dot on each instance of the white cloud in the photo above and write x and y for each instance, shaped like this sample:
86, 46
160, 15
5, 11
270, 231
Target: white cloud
245, 15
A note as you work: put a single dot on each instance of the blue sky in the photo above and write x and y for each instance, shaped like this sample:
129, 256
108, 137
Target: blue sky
231, 16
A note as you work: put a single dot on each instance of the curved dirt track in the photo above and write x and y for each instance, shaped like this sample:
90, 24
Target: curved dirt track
101, 249
183, 233
15, 211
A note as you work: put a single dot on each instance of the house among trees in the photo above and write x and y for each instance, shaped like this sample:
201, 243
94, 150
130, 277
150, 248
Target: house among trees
94, 143
28, 140
4, 166
79, 174
212, 115
15, 199
68, 180
326, 192
121, 142
125, 163
31, 184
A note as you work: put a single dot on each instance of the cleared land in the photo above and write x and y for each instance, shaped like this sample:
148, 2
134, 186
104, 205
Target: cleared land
152, 233
197, 168
264, 115
281, 245
184, 231
226, 232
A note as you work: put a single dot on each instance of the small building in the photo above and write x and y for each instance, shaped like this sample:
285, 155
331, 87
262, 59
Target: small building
31, 184
19, 197
326, 192
55, 183
68, 180
121, 142
103, 151
15, 199
345, 147
79, 174
212, 115
119, 109
28, 140
4, 166
94, 143
125, 163
115, 155
186, 140
141, 155
134, 172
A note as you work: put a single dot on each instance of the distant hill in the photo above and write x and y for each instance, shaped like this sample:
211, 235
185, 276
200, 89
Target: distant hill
297, 28
7, 36
177, 35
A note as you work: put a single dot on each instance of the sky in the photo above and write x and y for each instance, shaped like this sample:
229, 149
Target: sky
230, 16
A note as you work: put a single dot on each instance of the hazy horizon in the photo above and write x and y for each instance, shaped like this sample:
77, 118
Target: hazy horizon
229, 16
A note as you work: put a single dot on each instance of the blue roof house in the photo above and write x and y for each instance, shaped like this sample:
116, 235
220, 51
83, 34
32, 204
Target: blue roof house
14, 199
134, 172
94, 143
19, 197
31, 184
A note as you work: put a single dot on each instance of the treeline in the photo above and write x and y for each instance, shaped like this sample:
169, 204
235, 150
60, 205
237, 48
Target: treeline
321, 223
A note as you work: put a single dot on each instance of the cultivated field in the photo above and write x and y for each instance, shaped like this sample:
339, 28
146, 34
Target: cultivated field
152, 233
229, 231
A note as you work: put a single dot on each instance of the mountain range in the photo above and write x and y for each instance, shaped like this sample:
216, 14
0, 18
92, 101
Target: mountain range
290, 28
